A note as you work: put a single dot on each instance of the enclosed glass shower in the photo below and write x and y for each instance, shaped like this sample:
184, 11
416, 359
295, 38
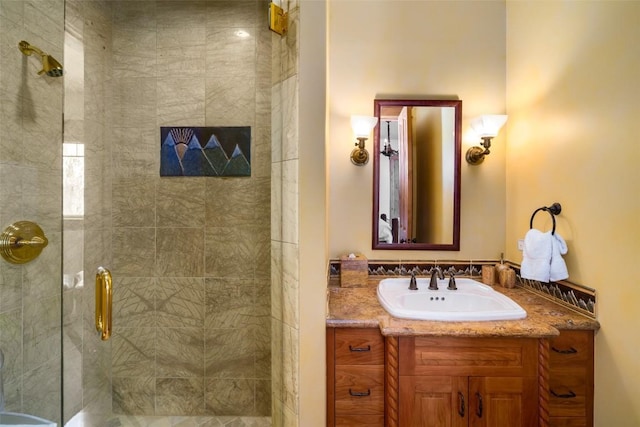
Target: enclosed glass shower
189, 256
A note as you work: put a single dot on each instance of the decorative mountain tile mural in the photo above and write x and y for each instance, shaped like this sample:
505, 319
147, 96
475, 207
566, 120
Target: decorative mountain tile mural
205, 151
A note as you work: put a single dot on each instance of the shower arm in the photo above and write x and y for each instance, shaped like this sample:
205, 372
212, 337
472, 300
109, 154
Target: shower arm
28, 49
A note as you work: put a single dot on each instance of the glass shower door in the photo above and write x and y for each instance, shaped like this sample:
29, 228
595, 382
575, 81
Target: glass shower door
52, 132
86, 211
30, 189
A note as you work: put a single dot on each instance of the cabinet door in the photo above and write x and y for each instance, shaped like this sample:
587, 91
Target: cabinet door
503, 401
433, 401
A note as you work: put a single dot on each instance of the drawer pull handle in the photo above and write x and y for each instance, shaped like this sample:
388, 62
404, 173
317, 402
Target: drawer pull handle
461, 404
569, 395
479, 408
571, 350
367, 348
360, 393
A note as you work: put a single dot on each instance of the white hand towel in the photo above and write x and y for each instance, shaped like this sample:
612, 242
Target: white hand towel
558, 267
536, 256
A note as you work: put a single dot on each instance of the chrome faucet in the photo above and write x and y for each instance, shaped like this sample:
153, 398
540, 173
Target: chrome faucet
433, 284
413, 286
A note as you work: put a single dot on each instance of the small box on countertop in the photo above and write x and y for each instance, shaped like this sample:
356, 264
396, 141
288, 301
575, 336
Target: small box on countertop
489, 275
507, 278
354, 271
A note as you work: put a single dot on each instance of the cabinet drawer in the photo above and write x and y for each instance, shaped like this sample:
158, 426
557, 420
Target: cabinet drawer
359, 390
359, 346
468, 356
568, 395
570, 348
360, 421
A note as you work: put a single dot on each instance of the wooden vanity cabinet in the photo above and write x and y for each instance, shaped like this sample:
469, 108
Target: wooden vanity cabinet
571, 379
461, 382
355, 377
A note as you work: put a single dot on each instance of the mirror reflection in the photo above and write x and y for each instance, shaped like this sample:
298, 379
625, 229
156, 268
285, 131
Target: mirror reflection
416, 160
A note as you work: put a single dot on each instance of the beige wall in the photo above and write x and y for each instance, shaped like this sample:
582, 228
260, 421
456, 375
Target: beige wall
573, 110
409, 49
313, 228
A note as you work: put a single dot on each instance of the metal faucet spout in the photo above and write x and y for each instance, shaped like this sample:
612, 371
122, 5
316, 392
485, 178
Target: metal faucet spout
433, 283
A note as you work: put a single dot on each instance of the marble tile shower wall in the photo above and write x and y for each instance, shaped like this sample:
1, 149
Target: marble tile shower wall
191, 256
30, 182
284, 223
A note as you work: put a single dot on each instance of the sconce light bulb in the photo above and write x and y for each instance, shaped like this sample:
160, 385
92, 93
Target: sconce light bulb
362, 125
488, 125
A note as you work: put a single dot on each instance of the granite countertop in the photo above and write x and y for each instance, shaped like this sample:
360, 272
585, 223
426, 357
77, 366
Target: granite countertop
358, 307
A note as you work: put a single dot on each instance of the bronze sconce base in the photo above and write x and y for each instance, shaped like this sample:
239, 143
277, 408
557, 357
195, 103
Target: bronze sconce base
359, 155
475, 155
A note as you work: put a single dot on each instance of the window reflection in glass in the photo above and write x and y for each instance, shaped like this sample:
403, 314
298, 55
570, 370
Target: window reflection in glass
72, 180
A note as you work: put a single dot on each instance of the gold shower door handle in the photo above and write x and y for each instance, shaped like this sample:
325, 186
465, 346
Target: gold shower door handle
104, 302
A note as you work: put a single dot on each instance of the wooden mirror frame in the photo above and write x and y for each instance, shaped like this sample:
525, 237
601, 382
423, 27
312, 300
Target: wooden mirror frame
378, 104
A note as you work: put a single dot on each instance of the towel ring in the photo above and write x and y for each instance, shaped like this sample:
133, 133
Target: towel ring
553, 210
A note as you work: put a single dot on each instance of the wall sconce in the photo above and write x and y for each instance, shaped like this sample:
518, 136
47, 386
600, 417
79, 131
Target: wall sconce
487, 127
362, 126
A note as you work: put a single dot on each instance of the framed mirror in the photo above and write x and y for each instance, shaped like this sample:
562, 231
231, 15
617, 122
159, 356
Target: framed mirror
416, 174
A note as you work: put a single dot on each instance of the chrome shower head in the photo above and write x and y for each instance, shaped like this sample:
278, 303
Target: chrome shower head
50, 65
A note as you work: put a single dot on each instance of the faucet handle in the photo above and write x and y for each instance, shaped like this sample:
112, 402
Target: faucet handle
452, 283
413, 286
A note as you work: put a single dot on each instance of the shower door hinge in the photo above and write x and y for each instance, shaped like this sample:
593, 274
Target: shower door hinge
277, 19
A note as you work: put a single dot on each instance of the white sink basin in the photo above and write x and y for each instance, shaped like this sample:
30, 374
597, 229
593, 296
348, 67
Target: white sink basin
471, 302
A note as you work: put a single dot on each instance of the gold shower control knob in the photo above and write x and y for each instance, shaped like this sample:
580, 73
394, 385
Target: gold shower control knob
22, 242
